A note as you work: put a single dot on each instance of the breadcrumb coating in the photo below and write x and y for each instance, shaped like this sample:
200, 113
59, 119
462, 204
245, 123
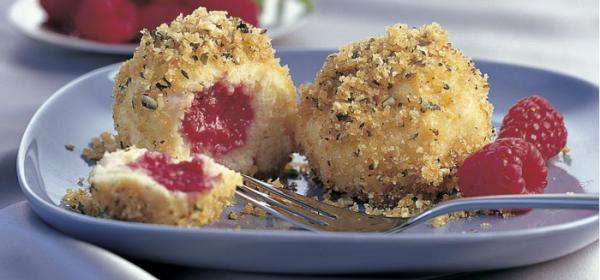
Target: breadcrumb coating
154, 89
394, 115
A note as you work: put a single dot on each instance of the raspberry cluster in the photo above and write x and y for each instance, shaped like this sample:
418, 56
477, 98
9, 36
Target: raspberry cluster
532, 132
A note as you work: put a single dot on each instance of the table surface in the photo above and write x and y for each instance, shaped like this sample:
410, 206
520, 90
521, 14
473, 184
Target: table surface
558, 35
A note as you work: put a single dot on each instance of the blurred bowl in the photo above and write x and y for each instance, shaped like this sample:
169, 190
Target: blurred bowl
279, 17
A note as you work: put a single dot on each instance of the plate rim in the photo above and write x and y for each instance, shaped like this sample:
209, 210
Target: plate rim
39, 204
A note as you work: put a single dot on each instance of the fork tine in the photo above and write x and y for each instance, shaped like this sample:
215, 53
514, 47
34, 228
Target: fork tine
270, 209
271, 188
304, 218
275, 203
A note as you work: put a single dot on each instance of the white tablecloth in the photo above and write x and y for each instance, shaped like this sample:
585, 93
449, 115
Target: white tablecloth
558, 35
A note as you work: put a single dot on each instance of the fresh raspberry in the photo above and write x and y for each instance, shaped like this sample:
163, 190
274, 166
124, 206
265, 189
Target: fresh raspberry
59, 11
247, 10
535, 120
507, 166
156, 13
109, 21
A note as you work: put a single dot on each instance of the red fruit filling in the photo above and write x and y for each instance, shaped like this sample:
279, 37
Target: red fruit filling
507, 166
218, 119
185, 176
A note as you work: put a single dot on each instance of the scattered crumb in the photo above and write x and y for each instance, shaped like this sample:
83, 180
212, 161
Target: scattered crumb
297, 165
80, 201
440, 221
233, 216
507, 214
566, 156
410, 205
247, 209
70, 147
259, 212
106, 142
407, 207
354, 207
444, 219
250, 209
276, 183
344, 201
80, 181
485, 225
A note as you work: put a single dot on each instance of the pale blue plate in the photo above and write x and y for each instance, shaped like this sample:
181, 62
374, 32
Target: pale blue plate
82, 109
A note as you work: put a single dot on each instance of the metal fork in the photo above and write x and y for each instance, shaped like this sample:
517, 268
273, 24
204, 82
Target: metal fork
310, 214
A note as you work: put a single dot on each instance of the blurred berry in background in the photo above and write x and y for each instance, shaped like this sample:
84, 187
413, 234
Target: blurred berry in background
119, 21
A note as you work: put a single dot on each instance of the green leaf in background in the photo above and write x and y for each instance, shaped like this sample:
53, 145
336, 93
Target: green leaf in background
260, 3
309, 4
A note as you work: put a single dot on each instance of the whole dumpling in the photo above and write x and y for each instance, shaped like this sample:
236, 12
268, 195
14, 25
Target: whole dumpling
394, 115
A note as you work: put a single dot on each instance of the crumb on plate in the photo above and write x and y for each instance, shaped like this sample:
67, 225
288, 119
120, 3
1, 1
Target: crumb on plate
233, 215
250, 209
106, 142
485, 225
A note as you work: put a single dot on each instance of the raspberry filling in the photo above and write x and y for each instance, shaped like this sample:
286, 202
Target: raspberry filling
218, 119
185, 176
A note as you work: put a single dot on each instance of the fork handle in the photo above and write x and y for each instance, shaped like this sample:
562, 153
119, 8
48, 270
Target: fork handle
546, 201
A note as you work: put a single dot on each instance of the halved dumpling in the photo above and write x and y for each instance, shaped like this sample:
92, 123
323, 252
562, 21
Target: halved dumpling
207, 84
151, 187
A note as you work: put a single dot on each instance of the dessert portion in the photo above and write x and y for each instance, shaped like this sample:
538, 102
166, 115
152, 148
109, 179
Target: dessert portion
151, 187
394, 115
207, 84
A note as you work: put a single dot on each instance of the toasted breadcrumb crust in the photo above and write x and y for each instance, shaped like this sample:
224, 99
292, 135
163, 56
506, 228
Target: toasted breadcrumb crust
154, 89
394, 115
118, 193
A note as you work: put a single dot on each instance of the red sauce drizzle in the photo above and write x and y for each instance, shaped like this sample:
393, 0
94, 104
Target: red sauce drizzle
218, 119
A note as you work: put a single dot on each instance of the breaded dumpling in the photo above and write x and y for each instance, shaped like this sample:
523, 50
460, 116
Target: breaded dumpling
394, 115
150, 187
207, 83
